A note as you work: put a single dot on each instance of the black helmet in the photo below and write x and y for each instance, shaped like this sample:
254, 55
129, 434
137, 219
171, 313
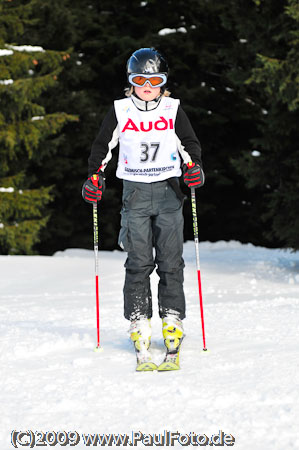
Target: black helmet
147, 60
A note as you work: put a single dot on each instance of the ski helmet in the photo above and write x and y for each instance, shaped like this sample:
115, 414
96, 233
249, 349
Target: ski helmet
147, 61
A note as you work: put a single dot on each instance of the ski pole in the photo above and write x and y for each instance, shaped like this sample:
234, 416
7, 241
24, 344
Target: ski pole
195, 229
96, 248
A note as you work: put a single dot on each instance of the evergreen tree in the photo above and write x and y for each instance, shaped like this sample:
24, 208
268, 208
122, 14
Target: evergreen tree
26, 72
272, 168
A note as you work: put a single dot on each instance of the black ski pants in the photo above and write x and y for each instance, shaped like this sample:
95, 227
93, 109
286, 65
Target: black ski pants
152, 235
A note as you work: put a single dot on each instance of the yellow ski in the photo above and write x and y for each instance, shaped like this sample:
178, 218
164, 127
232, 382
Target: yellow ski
146, 366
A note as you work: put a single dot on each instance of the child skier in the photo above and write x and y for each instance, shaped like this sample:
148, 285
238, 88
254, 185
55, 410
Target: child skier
156, 143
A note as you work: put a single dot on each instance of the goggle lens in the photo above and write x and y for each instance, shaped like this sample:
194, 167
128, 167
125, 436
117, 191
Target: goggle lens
142, 80
154, 80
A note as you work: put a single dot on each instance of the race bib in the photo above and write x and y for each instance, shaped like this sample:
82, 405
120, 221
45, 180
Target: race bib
148, 149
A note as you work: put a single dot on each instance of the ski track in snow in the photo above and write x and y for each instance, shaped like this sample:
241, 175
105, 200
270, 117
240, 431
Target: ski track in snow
246, 385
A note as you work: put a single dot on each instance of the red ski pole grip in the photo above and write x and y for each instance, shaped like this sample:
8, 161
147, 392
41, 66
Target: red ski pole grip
95, 179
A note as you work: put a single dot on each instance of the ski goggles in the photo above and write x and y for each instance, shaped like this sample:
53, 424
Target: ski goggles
155, 80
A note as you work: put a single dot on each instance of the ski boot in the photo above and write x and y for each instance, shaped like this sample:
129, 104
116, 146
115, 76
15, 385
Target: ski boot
140, 334
173, 333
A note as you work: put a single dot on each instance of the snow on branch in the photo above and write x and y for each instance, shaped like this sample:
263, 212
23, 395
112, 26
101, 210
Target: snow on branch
26, 48
166, 31
6, 81
10, 189
4, 52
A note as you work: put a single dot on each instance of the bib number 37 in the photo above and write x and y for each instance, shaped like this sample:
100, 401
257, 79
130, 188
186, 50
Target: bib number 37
149, 151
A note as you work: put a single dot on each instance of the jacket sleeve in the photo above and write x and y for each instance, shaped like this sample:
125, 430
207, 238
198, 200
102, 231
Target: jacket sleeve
106, 140
188, 143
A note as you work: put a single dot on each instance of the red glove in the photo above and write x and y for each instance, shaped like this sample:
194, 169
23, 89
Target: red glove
193, 175
93, 188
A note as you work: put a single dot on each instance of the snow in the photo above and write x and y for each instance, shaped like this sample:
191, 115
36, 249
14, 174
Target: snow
246, 385
256, 153
166, 31
9, 189
26, 48
37, 118
6, 82
20, 48
5, 52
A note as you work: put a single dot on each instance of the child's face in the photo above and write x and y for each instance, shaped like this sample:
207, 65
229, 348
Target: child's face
147, 92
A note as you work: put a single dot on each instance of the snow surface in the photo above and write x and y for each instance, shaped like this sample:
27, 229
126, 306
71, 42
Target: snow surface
246, 385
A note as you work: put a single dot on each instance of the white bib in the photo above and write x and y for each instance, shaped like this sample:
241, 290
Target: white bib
147, 141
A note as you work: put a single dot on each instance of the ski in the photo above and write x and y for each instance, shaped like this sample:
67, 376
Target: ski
146, 366
171, 360
144, 362
140, 334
